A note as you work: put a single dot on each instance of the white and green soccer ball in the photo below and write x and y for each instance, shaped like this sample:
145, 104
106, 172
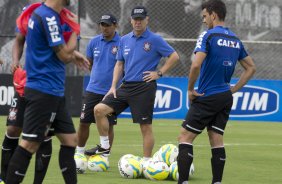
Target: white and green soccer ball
130, 167
168, 153
156, 170
173, 171
80, 162
98, 163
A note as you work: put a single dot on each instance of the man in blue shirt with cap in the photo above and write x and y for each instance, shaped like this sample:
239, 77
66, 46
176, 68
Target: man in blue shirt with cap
101, 53
138, 56
216, 54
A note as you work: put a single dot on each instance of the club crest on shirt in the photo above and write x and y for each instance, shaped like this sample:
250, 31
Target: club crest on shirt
147, 46
114, 49
13, 114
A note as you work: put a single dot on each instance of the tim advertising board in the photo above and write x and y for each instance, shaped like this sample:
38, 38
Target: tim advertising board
259, 100
254, 101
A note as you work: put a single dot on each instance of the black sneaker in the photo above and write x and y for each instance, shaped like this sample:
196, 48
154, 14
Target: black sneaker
98, 150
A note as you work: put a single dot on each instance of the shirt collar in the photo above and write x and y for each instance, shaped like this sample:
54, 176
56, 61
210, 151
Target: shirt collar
115, 38
145, 34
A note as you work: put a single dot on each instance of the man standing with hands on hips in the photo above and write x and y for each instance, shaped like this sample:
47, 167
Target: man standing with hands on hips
217, 51
138, 56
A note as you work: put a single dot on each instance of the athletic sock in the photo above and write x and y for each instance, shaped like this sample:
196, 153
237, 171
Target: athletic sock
105, 143
43, 156
8, 148
80, 150
18, 166
67, 164
217, 163
184, 161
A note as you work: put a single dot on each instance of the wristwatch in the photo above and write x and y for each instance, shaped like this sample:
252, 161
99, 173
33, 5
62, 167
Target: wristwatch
160, 74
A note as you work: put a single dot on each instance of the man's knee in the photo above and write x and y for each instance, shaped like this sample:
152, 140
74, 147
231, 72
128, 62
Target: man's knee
101, 110
68, 139
30, 146
186, 136
13, 131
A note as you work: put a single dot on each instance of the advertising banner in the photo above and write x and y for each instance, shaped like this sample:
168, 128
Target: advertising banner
259, 100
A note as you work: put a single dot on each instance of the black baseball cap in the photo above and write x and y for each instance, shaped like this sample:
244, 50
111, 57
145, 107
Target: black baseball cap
139, 12
108, 19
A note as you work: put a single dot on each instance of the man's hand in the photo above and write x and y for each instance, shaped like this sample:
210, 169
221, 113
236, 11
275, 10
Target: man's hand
192, 94
81, 61
14, 66
111, 91
150, 76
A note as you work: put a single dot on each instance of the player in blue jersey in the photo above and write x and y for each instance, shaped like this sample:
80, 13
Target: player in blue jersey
15, 122
216, 53
138, 55
101, 52
46, 56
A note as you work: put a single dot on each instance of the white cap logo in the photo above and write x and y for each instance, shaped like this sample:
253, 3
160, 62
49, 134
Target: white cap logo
138, 11
105, 17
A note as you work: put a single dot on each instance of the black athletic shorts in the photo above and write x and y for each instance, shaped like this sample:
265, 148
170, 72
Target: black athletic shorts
89, 102
16, 112
211, 112
44, 112
139, 96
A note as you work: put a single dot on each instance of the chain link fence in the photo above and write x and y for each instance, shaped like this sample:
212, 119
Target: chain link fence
257, 22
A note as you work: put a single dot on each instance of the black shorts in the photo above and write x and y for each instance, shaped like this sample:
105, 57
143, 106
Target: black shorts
89, 102
44, 112
139, 96
211, 112
16, 112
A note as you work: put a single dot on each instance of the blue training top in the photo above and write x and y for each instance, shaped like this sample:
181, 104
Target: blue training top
223, 50
45, 72
141, 54
103, 54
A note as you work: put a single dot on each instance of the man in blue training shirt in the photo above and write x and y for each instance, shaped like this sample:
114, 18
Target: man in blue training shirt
138, 55
46, 56
216, 54
101, 52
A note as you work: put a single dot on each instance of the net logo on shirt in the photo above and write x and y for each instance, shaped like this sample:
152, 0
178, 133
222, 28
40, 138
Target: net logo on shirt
53, 28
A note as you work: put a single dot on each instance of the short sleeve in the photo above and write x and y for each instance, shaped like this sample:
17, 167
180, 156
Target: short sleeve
164, 48
53, 30
243, 53
201, 45
119, 56
89, 50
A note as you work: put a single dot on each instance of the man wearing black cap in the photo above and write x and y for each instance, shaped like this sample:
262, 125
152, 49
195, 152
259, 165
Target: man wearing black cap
138, 56
101, 53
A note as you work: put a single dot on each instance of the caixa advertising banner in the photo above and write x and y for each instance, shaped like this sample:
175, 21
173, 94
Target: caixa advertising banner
259, 100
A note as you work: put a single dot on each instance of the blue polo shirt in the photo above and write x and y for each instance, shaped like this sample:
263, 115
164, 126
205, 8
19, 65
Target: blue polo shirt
141, 54
223, 50
103, 54
45, 72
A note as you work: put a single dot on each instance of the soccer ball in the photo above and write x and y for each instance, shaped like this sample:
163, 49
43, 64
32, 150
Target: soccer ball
126, 156
157, 170
98, 163
156, 156
168, 153
129, 167
80, 162
173, 171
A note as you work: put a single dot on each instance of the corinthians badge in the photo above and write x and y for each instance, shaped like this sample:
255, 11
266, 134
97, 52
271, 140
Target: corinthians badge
114, 49
147, 46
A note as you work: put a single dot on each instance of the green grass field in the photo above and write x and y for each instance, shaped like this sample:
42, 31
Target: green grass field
254, 153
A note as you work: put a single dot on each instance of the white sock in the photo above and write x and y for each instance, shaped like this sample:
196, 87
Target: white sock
105, 143
80, 149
